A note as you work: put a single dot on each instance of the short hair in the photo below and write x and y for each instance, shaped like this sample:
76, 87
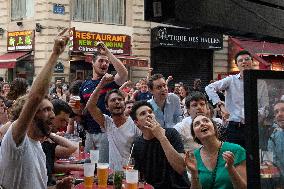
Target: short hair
18, 87
278, 102
61, 106
117, 91
17, 107
242, 52
195, 96
1, 79
136, 106
193, 134
74, 88
143, 81
154, 78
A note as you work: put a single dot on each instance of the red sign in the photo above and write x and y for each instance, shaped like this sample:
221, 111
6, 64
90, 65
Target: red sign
20, 41
86, 41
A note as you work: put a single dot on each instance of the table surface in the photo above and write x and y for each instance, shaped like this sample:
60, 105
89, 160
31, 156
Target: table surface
95, 186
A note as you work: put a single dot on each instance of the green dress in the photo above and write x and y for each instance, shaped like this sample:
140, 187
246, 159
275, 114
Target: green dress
222, 179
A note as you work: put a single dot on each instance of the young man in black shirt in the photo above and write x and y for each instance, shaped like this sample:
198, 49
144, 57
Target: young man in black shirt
158, 153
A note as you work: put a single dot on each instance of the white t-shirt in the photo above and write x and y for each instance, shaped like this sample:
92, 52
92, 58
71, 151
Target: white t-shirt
22, 167
120, 141
183, 128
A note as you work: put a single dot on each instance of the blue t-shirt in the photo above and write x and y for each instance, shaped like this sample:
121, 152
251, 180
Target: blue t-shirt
86, 90
222, 179
143, 96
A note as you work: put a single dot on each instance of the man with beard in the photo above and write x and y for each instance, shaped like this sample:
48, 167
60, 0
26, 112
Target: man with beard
119, 128
101, 63
22, 160
166, 105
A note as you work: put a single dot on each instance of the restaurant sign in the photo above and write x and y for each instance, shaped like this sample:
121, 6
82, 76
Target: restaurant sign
20, 40
185, 38
86, 41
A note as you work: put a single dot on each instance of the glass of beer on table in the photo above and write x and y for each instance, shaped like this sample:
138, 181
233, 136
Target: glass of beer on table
131, 179
102, 173
89, 174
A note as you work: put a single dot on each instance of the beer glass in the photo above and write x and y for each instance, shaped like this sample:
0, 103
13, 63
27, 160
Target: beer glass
77, 102
102, 173
89, 174
131, 179
94, 156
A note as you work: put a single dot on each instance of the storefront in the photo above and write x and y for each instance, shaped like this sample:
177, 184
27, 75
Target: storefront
185, 54
19, 59
83, 45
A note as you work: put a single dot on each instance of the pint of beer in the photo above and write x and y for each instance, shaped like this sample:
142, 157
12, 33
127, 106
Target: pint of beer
102, 173
89, 174
131, 179
77, 102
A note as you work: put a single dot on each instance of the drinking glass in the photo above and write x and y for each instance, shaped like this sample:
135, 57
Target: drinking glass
89, 174
131, 179
102, 173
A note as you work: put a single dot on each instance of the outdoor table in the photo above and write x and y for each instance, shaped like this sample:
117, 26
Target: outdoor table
95, 186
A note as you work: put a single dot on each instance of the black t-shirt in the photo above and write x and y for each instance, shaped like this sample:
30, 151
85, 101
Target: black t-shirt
49, 150
151, 161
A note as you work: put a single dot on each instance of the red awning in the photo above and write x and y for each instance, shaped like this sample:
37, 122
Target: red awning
9, 60
258, 48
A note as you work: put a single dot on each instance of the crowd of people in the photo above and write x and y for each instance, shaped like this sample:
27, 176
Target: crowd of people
187, 137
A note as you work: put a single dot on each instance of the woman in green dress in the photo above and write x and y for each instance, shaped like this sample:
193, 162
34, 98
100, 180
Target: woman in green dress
217, 164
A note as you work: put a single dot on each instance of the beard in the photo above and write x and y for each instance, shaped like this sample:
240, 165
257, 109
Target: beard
43, 126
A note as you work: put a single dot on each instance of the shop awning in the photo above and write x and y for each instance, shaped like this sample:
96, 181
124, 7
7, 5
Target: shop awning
259, 48
126, 60
9, 60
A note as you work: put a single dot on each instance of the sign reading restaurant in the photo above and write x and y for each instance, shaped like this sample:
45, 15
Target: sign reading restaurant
86, 41
20, 40
185, 38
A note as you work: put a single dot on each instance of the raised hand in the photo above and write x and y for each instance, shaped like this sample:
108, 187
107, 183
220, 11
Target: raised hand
190, 162
155, 128
102, 49
229, 158
107, 78
60, 42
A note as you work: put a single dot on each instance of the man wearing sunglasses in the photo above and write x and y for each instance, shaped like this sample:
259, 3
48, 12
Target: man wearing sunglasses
233, 108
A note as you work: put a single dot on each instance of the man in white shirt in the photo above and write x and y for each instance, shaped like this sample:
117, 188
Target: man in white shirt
120, 129
233, 108
196, 104
22, 160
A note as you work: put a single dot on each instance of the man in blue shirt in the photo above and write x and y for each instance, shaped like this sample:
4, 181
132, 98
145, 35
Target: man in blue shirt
166, 105
100, 67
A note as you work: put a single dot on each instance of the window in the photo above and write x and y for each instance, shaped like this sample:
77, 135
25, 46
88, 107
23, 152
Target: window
103, 11
22, 9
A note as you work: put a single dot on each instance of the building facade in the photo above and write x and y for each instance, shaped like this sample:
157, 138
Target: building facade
97, 17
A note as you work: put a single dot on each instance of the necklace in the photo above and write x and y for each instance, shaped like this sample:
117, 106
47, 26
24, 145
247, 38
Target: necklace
210, 158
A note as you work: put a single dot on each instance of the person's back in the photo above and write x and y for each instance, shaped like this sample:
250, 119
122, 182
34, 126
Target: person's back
23, 166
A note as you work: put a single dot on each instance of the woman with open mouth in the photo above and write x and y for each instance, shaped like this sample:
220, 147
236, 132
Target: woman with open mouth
215, 164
